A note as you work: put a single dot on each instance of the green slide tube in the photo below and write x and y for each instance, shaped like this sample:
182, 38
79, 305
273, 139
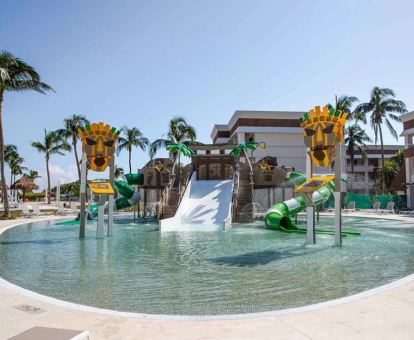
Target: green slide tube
278, 217
129, 196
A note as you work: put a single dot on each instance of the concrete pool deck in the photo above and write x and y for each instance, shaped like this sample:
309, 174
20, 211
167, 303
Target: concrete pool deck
386, 315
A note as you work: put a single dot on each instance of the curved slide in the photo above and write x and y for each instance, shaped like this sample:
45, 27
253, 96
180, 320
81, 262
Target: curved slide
278, 217
129, 196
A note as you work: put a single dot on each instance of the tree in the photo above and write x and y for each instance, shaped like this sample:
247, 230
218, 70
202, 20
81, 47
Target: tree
179, 149
355, 138
132, 138
179, 132
72, 125
52, 144
15, 164
33, 175
344, 103
15, 76
382, 108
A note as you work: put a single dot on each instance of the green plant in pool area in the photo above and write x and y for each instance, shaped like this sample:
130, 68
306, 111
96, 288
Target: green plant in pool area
15, 76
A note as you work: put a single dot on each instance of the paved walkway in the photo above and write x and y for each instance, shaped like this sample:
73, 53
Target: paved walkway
387, 315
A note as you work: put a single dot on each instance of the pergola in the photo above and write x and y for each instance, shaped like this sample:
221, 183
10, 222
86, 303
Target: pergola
24, 184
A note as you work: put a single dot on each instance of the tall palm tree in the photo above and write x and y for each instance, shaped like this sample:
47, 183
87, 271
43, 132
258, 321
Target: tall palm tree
15, 76
382, 108
355, 140
33, 175
132, 138
344, 103
15, 164
52, 144
72, 125
179, 132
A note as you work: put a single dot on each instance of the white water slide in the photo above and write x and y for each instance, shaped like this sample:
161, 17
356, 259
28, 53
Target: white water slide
205, 206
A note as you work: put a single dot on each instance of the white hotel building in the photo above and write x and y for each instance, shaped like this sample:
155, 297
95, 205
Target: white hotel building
281, 132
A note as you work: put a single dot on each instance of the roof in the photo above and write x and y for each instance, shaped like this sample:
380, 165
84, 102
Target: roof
24, 183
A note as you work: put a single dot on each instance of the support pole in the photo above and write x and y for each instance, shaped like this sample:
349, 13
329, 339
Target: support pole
82, 214
310, 210
100, 230
111, 197
338, 193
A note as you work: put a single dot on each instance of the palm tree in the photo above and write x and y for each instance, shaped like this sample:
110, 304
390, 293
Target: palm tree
52, 144
355, 140
15, 164
179, 132
72, 125
344, 103
15, 76
382, 108
178, 149
133, 138
33, 175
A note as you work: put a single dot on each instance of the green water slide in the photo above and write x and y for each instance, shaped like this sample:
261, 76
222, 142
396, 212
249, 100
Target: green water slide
125, 189
279, 216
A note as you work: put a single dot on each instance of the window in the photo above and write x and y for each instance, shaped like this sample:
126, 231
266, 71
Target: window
249, 137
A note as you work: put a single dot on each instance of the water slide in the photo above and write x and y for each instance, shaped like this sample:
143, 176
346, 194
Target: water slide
128, 195
205, 206
279, 216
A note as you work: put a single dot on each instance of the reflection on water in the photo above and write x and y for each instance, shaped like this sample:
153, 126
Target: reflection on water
244, 270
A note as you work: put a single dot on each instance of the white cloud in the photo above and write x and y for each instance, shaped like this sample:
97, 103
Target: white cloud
57, 173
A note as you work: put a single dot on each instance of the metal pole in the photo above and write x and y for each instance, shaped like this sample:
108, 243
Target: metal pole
338, 193
111, 197
82, 214
310, 210
100, 221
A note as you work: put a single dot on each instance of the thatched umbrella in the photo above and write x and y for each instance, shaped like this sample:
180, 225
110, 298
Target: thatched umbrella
24, 184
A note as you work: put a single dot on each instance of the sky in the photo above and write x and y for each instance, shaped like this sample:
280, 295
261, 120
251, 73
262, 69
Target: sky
140, 63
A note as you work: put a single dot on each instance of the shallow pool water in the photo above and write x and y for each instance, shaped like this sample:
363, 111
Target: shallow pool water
245, 270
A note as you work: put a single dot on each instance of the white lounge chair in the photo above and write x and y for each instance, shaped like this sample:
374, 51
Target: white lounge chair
389, 209
375, 208
351, 207
47, 333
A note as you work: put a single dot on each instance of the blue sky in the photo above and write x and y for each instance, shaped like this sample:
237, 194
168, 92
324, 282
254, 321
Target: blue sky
139, 63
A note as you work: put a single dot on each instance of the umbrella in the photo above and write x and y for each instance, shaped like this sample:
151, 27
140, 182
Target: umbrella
24, 184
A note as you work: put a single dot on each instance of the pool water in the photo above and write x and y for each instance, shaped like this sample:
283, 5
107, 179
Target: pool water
245, 270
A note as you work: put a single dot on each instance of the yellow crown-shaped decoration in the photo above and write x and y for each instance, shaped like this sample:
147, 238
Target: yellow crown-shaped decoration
99, 129
328, 115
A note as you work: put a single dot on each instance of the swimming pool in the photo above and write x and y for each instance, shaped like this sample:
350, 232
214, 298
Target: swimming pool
247, 269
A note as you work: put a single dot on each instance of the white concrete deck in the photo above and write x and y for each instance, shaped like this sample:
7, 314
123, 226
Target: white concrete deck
386, 315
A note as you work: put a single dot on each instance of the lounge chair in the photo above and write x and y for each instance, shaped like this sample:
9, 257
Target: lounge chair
351, 207
47, 333
389, 209
25, 211
375, 208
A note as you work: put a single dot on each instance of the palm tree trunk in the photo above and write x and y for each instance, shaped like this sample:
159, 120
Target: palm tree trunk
48, 180
351, 157
179, 172
11, 181
382, 160
3, 177
129, 158
74, 143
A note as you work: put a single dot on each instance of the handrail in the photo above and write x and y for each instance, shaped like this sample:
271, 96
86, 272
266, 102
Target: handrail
184, 188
